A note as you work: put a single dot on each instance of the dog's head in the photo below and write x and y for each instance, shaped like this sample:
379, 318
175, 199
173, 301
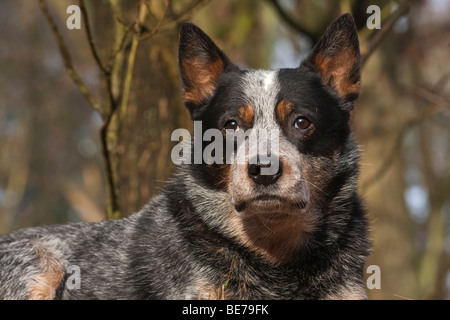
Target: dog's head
303, 114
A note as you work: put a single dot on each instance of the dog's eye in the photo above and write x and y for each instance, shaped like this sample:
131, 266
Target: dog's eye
231, 125
302, 123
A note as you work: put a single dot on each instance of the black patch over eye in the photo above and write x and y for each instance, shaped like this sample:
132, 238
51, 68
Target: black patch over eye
302, 123
231, 125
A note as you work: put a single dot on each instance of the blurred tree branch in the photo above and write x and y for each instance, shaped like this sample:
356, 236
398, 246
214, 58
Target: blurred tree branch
111, 71
296, 25
376, 38
114, 206
107, 113
67, 58
436, 105
372, 39
94, 52
144, 10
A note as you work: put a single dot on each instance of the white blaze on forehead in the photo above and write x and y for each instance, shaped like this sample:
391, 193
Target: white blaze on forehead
269, 79
261, 89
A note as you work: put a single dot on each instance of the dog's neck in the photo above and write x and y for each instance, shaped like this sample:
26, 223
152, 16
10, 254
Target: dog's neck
275, 240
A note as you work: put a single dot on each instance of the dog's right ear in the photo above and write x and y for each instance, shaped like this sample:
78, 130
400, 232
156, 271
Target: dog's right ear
201, 63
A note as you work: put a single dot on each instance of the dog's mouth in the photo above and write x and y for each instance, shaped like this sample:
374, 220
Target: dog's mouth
270, 206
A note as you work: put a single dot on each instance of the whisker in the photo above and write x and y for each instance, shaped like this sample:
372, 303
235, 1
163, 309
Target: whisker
313, 185
259, 218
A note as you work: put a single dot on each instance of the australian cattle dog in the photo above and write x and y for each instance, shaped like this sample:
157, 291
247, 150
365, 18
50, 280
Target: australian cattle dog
283, 224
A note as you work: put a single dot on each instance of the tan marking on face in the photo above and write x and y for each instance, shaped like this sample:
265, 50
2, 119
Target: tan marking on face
246, 113
52, 266
202, 78
284, 109
336, 72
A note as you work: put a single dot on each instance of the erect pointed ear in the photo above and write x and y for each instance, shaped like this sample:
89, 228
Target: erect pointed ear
336, 57
201, 63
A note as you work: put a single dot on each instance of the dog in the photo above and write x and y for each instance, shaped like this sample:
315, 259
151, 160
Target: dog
228, 230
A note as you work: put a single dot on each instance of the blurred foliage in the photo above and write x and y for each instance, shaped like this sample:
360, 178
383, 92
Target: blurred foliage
52, 158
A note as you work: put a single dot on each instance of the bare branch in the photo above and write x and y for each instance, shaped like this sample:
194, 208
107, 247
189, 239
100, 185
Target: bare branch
427, 112
292, 23
158, 26
380, 34
67, 58
113, 208
121, 46
90, 39
430, 96
141, 16
183, 15
186, 12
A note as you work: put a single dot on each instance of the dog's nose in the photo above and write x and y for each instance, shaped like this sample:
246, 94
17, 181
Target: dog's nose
254, 172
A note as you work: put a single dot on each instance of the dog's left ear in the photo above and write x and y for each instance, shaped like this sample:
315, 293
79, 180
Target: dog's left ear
336, 57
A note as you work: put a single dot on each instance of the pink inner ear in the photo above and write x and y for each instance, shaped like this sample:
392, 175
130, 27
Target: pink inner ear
202, 78
338, 70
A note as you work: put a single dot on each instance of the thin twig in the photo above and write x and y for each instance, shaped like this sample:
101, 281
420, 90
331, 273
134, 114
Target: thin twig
90, 39
143, 12
428, 112
128, 78
122, 44
183, 15
429, 96
293, 23
106, 73
380, 34
186, 12
158, 26
141, 15
67, 58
